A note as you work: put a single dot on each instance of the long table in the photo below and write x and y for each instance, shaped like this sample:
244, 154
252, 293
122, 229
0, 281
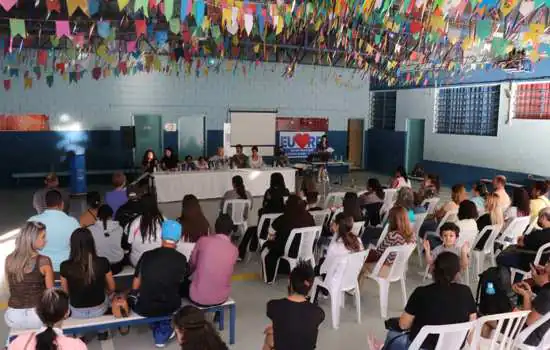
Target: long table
172, 186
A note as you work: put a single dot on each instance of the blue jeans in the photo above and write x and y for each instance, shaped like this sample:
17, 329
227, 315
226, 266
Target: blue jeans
90, 312
22, 318
397, 341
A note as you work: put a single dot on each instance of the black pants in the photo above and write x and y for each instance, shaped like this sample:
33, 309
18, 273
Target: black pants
371, 236
251, 238
270, 262
116, 268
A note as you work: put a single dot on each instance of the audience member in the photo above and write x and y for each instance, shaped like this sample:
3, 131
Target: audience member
458, 194
188, 164
86, 277
493, 216
193, 222
274, 196
374, 194
400, 178
157, 282
211, 264
449, 234
149, 163
239, 159
219, 160
479, 195
194, 332
256, 161
117, 197
538, 199
523, 253
52, 308
499, 187
350, 205
281, 159
294, 320
295, 216
520, 206
202, 164
130, 210
107, 235
405, 199
39, 199
467, 216
238, 192
308, 185
426, 302
429, 188
145, 230
89, 217
169, 160
59, 227
28, 274
312, 201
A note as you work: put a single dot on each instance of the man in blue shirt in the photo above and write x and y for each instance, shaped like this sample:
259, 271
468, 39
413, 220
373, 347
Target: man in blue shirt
59, 227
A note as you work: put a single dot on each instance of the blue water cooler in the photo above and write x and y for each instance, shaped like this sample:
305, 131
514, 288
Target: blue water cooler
78, 174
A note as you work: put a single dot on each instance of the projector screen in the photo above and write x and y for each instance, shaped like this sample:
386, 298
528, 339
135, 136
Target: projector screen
254, 128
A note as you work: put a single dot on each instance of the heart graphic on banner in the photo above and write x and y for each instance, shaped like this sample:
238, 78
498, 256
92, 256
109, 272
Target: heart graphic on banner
301, 140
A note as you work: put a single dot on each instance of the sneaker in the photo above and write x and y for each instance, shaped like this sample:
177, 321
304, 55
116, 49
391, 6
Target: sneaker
160, 345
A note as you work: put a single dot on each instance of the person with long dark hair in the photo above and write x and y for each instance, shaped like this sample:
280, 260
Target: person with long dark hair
479, 195
169, 160
107, 235
93, 201
149, 161
520, 207
86, 277
256, 161
144, 233
350, 203
308, 185
374, 194
52, 309
238, 192
274, 196
192, 219
400, 178
295, 216
194, 332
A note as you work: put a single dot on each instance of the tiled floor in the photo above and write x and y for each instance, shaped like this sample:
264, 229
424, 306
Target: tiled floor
250, 295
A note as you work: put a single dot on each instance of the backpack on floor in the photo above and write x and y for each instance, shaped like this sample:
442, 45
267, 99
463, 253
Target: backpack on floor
494, 292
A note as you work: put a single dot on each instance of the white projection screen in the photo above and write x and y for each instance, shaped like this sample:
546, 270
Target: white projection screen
254, 128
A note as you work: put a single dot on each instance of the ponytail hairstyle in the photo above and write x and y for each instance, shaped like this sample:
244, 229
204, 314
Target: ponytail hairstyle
51, 309
105, 213
238, 185
194, 331
345, 225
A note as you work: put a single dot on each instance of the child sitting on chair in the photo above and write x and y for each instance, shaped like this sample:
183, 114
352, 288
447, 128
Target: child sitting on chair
449, 234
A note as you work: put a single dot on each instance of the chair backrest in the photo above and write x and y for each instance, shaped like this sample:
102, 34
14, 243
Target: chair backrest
526, 332
360, 193
399, 266
357, 228
516, 228
450, 215
320, 216
269, 218
451, 336
343, 272
544, 248
390, 195
418, 221
490, 242
336, 212
383, 234
508, 325
334, 199
430, 204
239, 209
307, 239
186, 248
467, 236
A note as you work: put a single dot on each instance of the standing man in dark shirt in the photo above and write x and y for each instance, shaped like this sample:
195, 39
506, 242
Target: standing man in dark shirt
295, 321
523, 253
157, 281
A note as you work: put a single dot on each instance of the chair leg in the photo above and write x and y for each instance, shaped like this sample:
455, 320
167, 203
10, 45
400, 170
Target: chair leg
313, 291
357, 303
384, 288
335, 308
342, 299
404, 290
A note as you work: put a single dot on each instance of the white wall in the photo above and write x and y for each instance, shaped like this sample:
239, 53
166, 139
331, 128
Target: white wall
110, 103
520, 146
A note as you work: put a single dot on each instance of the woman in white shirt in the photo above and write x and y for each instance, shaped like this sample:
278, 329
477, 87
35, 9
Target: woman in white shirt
467, 216
145, 230
256, 160
107, 235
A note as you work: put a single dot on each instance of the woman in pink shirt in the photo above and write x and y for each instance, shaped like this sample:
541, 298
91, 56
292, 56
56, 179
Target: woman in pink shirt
52, 309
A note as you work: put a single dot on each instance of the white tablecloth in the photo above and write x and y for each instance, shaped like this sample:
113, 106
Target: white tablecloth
171, 187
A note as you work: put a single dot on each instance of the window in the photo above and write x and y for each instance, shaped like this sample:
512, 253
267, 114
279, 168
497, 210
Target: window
532, 101
468, 110
383, 110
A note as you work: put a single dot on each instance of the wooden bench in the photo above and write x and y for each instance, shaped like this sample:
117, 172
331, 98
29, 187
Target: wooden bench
73, 326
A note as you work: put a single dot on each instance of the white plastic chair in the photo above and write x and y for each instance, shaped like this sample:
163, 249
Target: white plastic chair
186, 248
360, 193
513, 231
488, 248
430, 204
334, 213
320, 216
527, 274
526, 332
467, 236
334, 199
383, 235
342, 277
389, 201
396, 273
357, 228
450, 336
261, 223
448, 217
418, 221
305, 248
508, 325
239, 212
